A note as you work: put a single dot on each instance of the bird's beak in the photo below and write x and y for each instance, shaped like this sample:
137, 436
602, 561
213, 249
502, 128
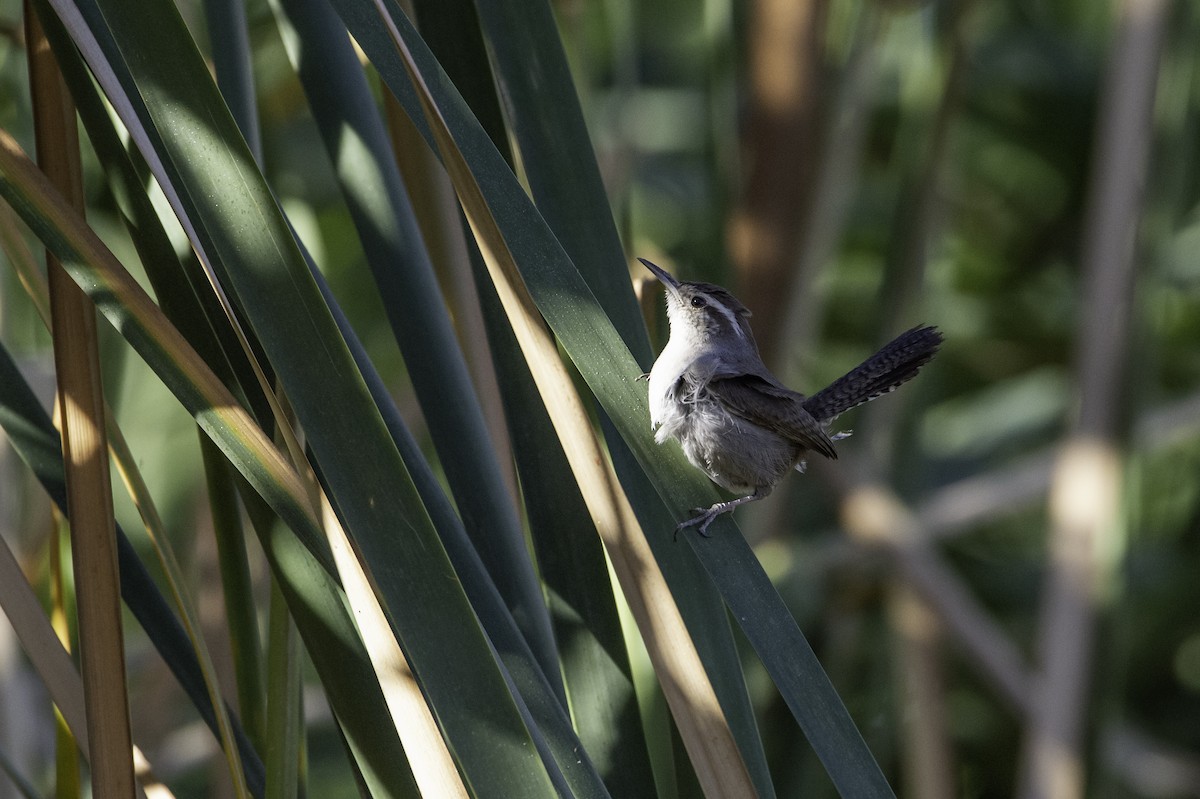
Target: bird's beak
663, 275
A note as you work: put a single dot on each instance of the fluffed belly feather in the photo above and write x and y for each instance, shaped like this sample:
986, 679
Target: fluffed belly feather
736, 454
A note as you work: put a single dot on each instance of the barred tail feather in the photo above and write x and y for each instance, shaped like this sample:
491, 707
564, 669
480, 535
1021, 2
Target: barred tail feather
896, 363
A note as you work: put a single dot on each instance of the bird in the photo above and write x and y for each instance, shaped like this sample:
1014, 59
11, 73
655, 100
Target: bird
737, 422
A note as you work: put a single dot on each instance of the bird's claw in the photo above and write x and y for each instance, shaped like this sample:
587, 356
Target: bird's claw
705, 517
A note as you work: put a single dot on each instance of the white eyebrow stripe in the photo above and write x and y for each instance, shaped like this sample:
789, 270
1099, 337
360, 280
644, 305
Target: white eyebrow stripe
729, 315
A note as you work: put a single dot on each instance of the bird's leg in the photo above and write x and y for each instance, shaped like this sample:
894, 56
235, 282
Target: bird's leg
709, 515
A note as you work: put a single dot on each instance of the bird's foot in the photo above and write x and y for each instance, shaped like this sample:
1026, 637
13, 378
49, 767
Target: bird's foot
841, 435
707, 516
704, 519
644, 376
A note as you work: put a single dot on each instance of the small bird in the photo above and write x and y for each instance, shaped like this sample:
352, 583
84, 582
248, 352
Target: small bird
710, 390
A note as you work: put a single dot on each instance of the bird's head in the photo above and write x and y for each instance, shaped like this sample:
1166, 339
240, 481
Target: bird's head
704, 312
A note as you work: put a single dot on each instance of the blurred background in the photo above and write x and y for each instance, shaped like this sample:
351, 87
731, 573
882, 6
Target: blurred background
1000, 575
1022, 174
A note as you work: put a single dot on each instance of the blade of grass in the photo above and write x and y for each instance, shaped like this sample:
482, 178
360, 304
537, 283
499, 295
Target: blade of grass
36, 441
229, 39
686, 686
184, 130
548, 712
33, 436
350, 697
131, 311
557, 157
436, 211
432, 765
301, 558
358, 147
610, 371
450, 659
137, 589
284, 727
143, 502
537, 698
180, 304
565, 183
595, 660
155, 530
242, 347
20, 257
53, 665
68, 779
571, 558
40, 642
237, 589
81, 404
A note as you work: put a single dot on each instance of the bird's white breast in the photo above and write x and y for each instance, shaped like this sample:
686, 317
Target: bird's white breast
672, 362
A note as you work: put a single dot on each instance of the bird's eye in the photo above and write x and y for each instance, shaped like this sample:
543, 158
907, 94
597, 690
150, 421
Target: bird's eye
698, 302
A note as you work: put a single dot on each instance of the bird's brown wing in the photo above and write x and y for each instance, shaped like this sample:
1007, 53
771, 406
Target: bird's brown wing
768, 404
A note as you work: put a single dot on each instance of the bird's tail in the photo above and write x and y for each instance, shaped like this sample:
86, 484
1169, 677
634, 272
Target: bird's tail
897, 362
